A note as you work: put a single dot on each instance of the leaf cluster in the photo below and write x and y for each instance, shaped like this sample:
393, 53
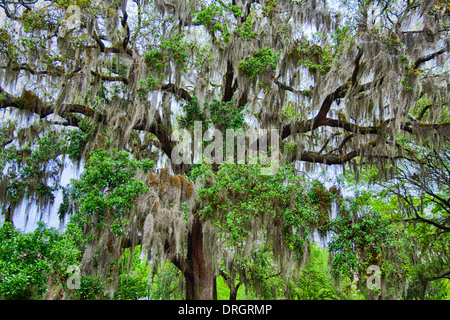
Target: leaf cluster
108, 187
28, 260
262, 61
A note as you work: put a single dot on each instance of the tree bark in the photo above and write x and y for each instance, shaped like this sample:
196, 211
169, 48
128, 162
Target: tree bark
198, 271
9, 215
234, 291
231, 283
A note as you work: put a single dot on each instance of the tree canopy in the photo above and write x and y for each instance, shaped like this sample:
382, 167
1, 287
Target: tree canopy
133, 91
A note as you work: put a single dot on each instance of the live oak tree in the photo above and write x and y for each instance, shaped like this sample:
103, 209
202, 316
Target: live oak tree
340, 85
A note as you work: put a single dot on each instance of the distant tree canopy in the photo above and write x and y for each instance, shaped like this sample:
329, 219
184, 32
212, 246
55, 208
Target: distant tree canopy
356, 84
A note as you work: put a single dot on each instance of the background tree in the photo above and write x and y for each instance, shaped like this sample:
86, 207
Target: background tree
419, 194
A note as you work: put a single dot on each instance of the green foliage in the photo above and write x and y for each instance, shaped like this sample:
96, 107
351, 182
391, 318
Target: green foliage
240, 194
271, 8
91, 288
37, 19
226, 114
77, 141
28, 260
34, 167
343, 38
386, 196
362, 237
5, 37
209, 16
6, 46
92, 8
218, 113
425, 274
245, 31
165, 284
322, 58
263, 60
134, 273
192, 112
315, 281
289, 112
236, 11
154, 59
140, 279
107, 186
174, 49
263, 274
147, 85
212, 17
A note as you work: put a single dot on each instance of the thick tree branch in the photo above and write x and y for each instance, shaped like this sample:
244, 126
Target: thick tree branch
328, 101
328, 141
288, 88
109, 78
431, 56
422, 112
33, 104
180, 92
316, 157
124, 23
230, 85
445, 275
99, 41
408, 200
356, 69
26, 67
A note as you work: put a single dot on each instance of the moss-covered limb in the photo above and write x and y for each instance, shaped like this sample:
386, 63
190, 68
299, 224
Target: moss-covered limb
342, 90
306, 126
177, 91
354, 128
302, 126
32, 103
331, 159
283, 86
109, 78
429, 57
28, 68
296, 127
8, 100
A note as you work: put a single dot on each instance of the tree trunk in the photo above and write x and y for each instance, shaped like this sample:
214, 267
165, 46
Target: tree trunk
198, 271
9, 215
231, 283
233, 293
215, 288
234, 290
